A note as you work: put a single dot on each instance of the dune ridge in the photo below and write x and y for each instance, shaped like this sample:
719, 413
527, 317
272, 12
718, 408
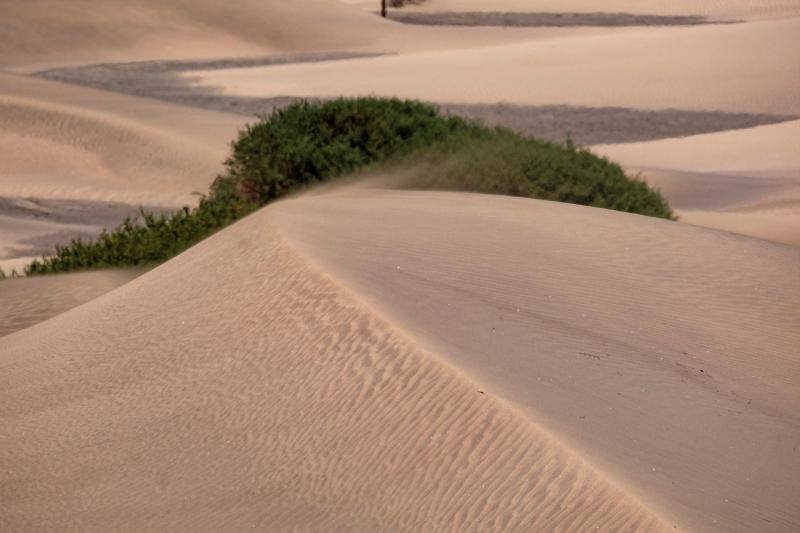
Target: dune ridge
189, 421
536, 300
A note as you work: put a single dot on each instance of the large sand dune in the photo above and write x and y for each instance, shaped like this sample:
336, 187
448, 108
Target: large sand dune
666, 353
271, 396
268, 397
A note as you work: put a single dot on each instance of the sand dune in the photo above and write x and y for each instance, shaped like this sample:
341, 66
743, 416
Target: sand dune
362, 359
28, 301
105, 146
745, 181
268, 397
739, 68
65, 142
665, 353
43, 32
503, 358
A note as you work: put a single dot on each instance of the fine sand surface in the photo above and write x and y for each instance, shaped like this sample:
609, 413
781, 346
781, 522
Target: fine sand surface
737, 67
269, 398
486, 378
667, 354
28, 301
105, 146
746, 181
41, 34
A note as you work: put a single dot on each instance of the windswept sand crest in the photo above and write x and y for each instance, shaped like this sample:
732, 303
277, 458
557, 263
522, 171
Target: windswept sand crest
209, 394
665, 353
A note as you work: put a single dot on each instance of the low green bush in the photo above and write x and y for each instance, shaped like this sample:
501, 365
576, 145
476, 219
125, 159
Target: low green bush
311, 142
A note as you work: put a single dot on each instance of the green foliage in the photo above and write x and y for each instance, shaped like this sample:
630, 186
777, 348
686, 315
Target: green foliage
311, 142
506, 163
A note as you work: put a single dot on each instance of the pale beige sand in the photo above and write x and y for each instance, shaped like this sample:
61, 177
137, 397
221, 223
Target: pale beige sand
212, 395
665, 353
62, 141
745, 181
40, 34
28, 301
739, 67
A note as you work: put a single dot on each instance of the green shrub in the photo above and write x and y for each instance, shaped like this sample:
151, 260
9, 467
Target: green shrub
311, 142
506, 163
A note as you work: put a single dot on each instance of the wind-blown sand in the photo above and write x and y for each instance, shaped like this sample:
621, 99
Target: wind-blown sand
269, 398
533, 303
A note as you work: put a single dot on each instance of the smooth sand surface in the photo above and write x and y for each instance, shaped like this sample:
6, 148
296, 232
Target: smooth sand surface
738, 67
666, 354
28, 301
269, 397
409, 360
105, 146
745, 181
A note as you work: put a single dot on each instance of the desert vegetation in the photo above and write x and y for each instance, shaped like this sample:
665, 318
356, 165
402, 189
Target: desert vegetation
310, 142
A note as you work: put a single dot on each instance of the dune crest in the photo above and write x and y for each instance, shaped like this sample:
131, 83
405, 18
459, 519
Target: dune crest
267, 397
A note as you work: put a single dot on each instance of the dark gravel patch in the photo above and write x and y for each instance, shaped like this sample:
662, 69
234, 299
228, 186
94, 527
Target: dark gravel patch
553, 20
167, 80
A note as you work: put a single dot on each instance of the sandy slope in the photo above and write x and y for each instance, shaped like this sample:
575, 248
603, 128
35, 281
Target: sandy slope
42, 32
739, 67
106, 146
213, 395
746, 181
39, 34
663, 352
28, 301
65, 142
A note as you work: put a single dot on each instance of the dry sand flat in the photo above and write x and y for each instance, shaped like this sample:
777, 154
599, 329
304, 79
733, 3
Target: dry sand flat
268, 397
663, 352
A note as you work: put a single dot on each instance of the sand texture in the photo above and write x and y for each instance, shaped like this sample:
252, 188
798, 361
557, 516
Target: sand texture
362, 359
268, 398
28, 301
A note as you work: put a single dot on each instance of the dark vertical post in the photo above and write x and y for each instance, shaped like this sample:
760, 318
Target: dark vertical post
383, 8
